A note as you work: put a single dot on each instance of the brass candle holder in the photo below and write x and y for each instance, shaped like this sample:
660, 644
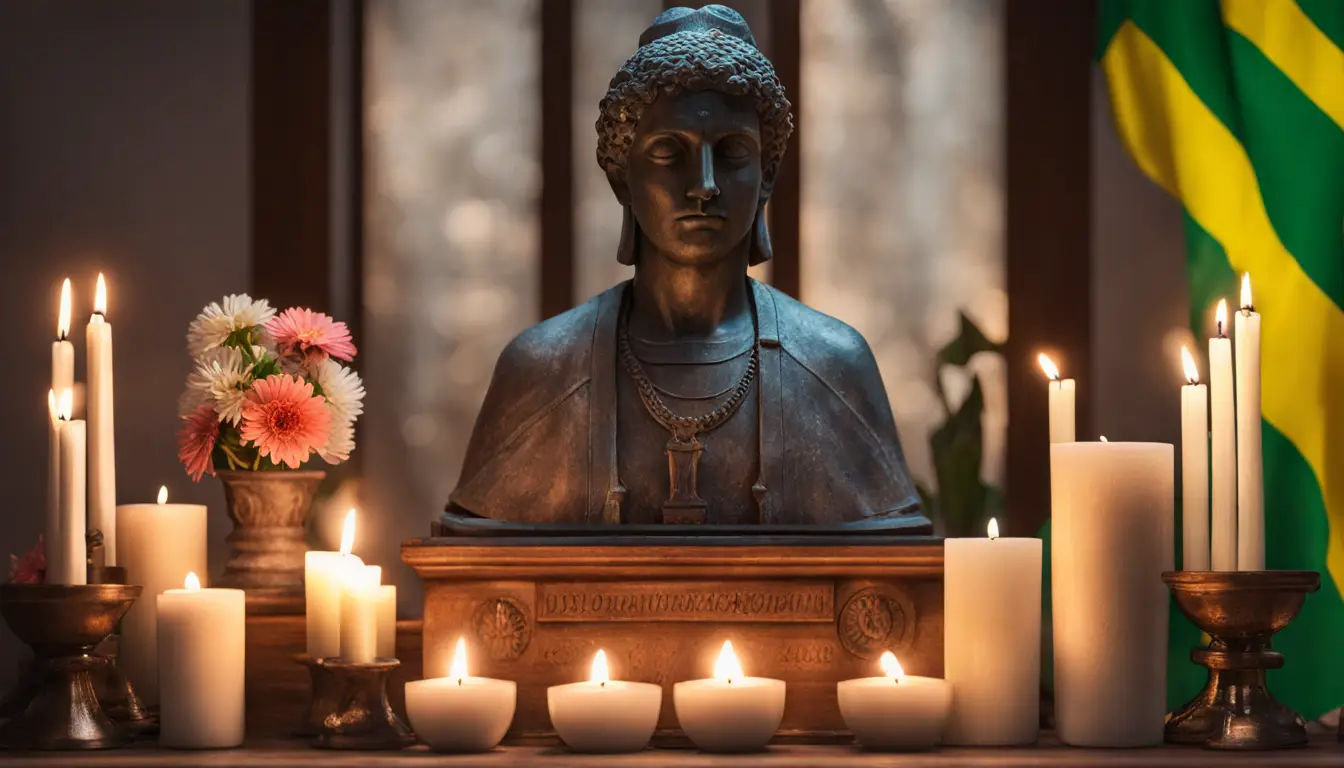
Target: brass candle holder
363, 719
1241, 611
324, 696
63, 624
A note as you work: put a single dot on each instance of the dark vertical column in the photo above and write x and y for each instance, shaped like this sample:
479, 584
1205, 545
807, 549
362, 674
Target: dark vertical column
291, 152
1048, 66
786, 50
557, 169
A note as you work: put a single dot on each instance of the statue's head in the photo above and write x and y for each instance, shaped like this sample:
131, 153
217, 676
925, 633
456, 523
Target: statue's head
692, 132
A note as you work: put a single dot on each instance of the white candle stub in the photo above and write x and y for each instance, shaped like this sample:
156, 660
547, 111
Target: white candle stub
895, 711
602, 715
461, 713
1062, 396
730, 712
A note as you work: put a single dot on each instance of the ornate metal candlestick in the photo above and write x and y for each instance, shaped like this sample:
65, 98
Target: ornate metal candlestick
363, 718
323, 698
1241, 611
63, 624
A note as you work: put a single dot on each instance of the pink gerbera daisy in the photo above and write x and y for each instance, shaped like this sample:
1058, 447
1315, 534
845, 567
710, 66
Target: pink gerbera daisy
284, 421
196, 440
310, 336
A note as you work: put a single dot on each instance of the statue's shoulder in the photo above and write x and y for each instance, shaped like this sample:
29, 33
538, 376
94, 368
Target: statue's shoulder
558, 345
815, 337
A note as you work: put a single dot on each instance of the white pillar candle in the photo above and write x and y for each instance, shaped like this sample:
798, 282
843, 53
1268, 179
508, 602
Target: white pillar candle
359, 612
70, 542
159, 543
322, 576
992, 589
603, 715
102, 451
1194, 469
62, 351
461, 713
1223, 442
1112, 538
897, 711
386, 608
1062, 393
729, 712
51, 529
1250, 463
201, 638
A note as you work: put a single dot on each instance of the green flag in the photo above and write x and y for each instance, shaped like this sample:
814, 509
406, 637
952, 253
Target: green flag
1236, 108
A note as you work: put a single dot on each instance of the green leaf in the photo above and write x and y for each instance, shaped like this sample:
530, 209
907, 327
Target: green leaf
957, 454
969, 342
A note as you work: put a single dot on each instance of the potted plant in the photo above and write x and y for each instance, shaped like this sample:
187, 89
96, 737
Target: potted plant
267, 393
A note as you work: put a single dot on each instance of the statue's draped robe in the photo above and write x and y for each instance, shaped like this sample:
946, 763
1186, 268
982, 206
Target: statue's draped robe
542, 452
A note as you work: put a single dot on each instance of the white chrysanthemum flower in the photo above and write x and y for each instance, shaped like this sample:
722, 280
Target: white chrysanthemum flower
343, 388
341, 442
192, 399
219, 319
222, 375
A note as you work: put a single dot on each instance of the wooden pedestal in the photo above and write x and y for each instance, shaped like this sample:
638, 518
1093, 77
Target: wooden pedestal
808, 610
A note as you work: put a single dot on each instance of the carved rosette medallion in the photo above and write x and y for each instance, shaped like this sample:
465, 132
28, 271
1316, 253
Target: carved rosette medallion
502, 628
876, 619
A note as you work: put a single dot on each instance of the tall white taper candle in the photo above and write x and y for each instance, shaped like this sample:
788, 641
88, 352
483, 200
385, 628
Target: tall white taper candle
1250, 461
1223, 447
102, 450
1194, 469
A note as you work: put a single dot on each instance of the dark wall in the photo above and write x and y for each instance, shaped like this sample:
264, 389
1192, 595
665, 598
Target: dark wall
123, 148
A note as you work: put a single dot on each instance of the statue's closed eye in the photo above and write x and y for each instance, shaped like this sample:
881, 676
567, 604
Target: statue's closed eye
664, 149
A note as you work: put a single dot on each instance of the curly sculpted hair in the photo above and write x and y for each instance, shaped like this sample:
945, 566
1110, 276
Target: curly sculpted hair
693, 61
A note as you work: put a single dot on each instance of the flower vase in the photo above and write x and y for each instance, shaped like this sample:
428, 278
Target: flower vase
269, 510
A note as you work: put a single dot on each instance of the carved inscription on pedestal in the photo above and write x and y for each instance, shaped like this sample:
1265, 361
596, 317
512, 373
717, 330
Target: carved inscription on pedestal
720, 601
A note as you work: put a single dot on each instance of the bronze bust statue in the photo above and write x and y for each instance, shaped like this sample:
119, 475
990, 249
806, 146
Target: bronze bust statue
692, 393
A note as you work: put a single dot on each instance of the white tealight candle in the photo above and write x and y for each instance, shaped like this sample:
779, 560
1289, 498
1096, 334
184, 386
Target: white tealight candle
729, 712
201, 666
895, 711
604, 715
460, 713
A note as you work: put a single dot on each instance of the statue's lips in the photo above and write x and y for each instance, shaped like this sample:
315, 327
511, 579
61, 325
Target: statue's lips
701, 220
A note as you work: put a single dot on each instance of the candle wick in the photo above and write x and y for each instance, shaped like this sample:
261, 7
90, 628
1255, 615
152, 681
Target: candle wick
459, 682
602, 684
1221, 335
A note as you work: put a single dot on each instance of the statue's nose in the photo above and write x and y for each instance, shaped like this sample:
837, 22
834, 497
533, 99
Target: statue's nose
704, 187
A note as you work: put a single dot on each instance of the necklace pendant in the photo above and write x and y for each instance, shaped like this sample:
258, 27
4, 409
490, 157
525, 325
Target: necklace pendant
683, 506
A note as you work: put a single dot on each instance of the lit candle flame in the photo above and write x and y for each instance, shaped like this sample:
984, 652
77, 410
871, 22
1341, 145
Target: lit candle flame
1188, 362
52, 410
891, 667
163, 494
458, 670
63, 320
993, 528
1221, 317
600, 675
66, 405
193, 583
728, 667
100, 296
1048, 365
1104, 440
348, 532
1246, 303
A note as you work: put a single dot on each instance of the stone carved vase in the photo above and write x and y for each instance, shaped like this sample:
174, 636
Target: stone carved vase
270, 534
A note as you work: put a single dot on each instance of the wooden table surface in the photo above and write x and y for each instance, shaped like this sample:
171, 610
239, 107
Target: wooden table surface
1323, 752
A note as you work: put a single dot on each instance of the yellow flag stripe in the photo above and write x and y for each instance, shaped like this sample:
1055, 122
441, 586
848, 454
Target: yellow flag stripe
1300, 50
1184, 148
